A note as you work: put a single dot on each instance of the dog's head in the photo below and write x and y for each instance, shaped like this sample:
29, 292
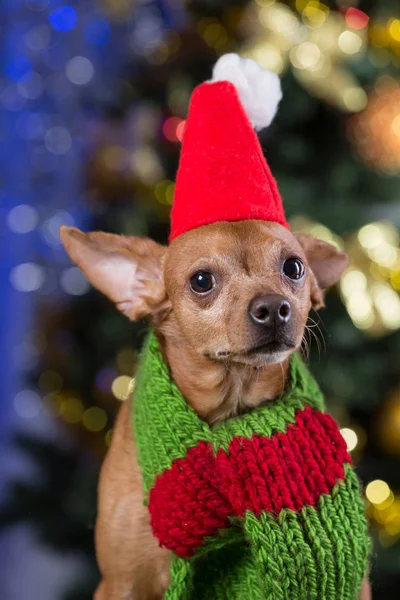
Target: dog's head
237, 292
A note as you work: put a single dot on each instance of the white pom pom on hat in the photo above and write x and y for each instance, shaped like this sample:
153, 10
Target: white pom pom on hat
259, 90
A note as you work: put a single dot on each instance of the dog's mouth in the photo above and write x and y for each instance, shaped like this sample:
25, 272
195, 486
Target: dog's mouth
264, 350
270, 347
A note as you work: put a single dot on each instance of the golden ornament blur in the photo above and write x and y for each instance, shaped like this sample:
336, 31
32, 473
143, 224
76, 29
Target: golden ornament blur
350, 437
108, 437
389, 424
366, 287
383, 511
164, 191
122, 387
316, 44
377, 491
71, 410
375, 133
213, 33
94, 419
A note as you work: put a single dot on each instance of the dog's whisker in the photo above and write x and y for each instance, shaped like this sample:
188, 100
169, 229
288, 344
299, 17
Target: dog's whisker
227, 365
305, 347
316, 325
317, 340
312, 335
320, 319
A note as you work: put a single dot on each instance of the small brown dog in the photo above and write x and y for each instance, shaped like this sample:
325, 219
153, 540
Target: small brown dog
229, 303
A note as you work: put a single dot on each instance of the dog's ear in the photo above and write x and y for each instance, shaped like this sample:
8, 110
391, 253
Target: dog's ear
127, 270
327, 265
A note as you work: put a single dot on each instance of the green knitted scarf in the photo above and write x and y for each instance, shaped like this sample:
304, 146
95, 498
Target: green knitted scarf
263, 506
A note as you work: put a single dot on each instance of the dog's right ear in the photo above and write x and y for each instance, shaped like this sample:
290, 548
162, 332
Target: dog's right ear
127, 270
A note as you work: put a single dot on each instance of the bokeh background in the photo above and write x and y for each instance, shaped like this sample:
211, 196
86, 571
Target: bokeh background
93, 99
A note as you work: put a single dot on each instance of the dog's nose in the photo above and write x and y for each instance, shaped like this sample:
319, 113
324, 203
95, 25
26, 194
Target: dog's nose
270, 309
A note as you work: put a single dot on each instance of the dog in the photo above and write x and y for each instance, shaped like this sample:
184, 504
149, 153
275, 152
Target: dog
229, 304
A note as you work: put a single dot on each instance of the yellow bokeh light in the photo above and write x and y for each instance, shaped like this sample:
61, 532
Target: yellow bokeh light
352, 282
108, 437
377, 491
355, 99
381, 242
145, 164
386, 508
215, 35
393, 527
350, 437
384, 254
94, 418
394, 29
395, 280
379, 35
300, 5
315, 13
121, 386
359, 306
160, 190
390, 516
305, 56
169, 194
71, 410
212, 32
350, 42
371, 235
376, 271
387, 302
365, 322
279, 18
385, 539
267, 56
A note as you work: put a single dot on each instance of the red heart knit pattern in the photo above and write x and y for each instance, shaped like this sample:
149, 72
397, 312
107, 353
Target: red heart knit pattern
195, 497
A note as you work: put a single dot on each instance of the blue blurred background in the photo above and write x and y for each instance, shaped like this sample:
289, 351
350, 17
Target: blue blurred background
93, 98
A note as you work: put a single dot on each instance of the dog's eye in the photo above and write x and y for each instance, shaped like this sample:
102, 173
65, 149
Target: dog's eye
202, 282
293, 268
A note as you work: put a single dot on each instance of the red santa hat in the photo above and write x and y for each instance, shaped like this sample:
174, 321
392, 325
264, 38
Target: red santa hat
223, 175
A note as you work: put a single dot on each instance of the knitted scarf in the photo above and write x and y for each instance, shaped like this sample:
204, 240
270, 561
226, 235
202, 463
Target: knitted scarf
264, 506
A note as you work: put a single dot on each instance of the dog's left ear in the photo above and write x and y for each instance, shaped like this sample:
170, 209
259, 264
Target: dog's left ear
128, 270
327, 265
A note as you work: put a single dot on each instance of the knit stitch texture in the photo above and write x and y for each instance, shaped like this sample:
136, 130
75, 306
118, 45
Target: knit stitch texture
264, 506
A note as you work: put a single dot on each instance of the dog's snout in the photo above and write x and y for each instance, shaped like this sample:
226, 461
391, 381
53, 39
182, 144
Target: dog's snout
269, 309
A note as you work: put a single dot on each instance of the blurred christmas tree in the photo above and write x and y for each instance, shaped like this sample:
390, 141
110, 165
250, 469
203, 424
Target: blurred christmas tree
335, 151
